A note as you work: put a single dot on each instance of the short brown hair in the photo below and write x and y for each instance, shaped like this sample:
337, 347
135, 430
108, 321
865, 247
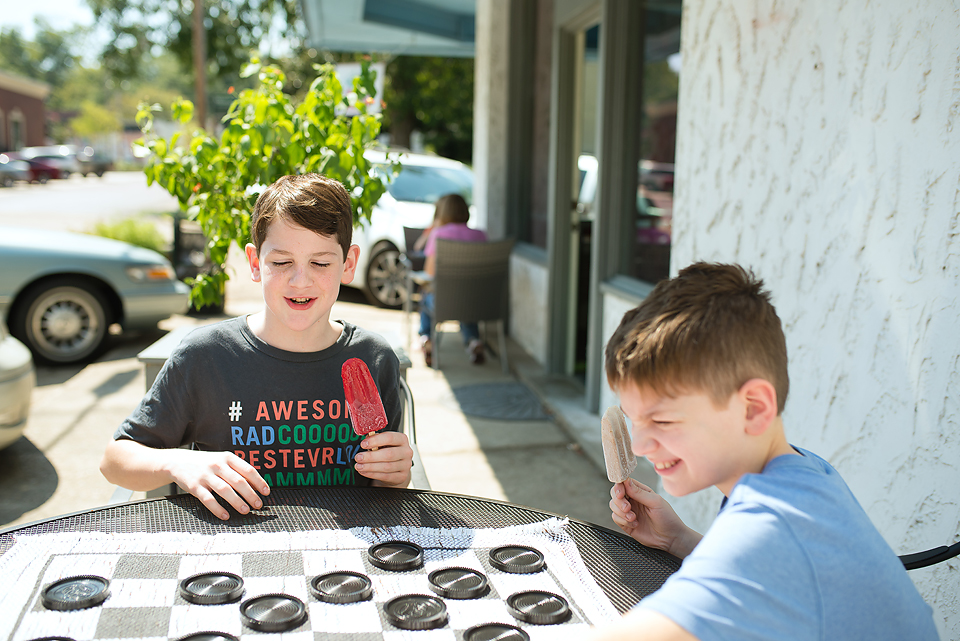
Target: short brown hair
311, 201
452, 208
710, 329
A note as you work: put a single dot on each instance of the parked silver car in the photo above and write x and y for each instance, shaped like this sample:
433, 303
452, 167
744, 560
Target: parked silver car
12, 170
60, 291
17, 380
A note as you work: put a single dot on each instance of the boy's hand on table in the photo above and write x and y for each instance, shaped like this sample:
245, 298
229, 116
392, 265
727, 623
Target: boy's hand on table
207, 475
647, 517
386, 458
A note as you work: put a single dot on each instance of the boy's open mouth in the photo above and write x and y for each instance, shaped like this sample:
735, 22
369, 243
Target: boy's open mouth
300, 301
665, 465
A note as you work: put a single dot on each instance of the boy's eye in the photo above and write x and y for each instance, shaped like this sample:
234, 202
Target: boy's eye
281, 263
321, 264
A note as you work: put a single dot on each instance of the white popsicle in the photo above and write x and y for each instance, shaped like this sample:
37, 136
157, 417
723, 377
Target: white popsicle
617, 453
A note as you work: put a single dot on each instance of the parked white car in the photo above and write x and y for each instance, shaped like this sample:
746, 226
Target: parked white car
408, 202
17, 380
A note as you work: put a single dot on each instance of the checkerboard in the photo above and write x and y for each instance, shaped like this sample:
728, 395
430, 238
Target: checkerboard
145, 572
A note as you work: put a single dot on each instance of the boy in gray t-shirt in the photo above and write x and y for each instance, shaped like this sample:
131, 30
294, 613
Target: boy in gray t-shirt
260, 397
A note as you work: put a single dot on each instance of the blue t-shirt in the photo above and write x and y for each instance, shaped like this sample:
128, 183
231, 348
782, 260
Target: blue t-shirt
792, 555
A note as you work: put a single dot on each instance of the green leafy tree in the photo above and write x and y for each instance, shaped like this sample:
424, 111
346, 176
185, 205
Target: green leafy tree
49, 57
265, 136
234, 28
432, 95
94, 120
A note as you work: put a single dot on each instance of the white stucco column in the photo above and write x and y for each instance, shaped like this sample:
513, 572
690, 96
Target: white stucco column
503, 108
490, 108
818, 143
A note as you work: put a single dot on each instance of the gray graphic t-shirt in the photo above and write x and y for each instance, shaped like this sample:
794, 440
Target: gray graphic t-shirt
224, 389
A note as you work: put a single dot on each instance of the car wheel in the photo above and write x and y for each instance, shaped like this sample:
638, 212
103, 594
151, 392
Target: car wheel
61, 321
386, 286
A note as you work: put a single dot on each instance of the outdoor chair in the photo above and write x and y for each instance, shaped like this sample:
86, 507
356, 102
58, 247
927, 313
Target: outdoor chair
418, 478
471, 285
414, 276
929, 557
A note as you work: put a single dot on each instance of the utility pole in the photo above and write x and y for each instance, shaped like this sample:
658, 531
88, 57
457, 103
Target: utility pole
200, 63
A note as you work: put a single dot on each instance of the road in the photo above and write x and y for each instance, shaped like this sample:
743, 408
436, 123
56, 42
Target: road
77, 203
75, 409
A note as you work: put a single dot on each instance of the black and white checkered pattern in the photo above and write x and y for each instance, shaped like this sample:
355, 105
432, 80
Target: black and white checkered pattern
145, 603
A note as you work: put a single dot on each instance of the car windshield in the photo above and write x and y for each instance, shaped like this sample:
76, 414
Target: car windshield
426, 184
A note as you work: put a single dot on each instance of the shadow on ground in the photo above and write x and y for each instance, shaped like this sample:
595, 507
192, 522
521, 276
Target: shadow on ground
28, 480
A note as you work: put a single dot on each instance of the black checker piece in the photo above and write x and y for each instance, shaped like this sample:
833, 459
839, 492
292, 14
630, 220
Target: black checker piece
517, 559
458, 583
76, 593
416, 612
495, 632
208, 636
341, 587
211, 588
538, 607
273, 612
396, 556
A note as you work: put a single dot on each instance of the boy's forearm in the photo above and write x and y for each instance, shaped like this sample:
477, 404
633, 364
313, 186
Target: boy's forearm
134, 466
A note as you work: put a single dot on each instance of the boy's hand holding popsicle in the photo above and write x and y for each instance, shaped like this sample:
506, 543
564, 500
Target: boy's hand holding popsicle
638, 510
388, 456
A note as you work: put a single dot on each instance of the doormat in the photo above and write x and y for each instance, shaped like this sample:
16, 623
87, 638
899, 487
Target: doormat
502, 401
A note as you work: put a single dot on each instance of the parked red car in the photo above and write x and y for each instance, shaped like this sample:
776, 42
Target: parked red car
41, 170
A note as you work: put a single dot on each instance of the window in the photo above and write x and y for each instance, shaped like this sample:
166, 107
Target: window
18, 131
649, 258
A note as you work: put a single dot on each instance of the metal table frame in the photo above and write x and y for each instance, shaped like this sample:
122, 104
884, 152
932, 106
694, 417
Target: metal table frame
625, 570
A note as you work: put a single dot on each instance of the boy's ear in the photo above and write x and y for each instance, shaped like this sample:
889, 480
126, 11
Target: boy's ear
760, 400
254, 261
350, 265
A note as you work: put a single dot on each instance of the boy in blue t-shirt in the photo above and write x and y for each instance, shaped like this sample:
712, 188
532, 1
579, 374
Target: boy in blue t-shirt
701, 370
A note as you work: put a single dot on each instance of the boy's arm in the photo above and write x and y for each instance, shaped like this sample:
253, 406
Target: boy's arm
206, 475
647, 517
641, 624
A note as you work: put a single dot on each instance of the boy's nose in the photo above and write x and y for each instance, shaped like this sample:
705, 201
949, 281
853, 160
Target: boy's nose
299, 276
642, 444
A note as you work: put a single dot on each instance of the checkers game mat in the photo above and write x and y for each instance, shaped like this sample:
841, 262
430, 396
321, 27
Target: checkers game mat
145, 572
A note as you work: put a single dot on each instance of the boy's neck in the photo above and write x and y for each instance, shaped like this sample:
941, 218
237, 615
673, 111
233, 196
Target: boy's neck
322, 335
772, 444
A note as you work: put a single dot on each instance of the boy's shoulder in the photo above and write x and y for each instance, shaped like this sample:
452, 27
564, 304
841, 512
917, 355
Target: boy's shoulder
213, 334
790, 480
364, 343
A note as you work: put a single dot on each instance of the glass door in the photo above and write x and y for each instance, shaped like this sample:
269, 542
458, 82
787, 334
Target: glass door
582, 214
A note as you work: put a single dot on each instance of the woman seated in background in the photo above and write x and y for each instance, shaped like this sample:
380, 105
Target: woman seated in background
450, 223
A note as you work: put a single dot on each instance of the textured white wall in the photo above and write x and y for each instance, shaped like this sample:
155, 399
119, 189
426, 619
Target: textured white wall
818, 143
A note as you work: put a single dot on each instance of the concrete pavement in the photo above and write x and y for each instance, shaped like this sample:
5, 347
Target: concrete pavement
554, 465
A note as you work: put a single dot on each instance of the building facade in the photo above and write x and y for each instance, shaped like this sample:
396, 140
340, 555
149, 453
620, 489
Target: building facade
812, 141
815, 143
22, 116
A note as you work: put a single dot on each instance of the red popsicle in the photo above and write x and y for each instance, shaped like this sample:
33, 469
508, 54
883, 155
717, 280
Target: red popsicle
363, 400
